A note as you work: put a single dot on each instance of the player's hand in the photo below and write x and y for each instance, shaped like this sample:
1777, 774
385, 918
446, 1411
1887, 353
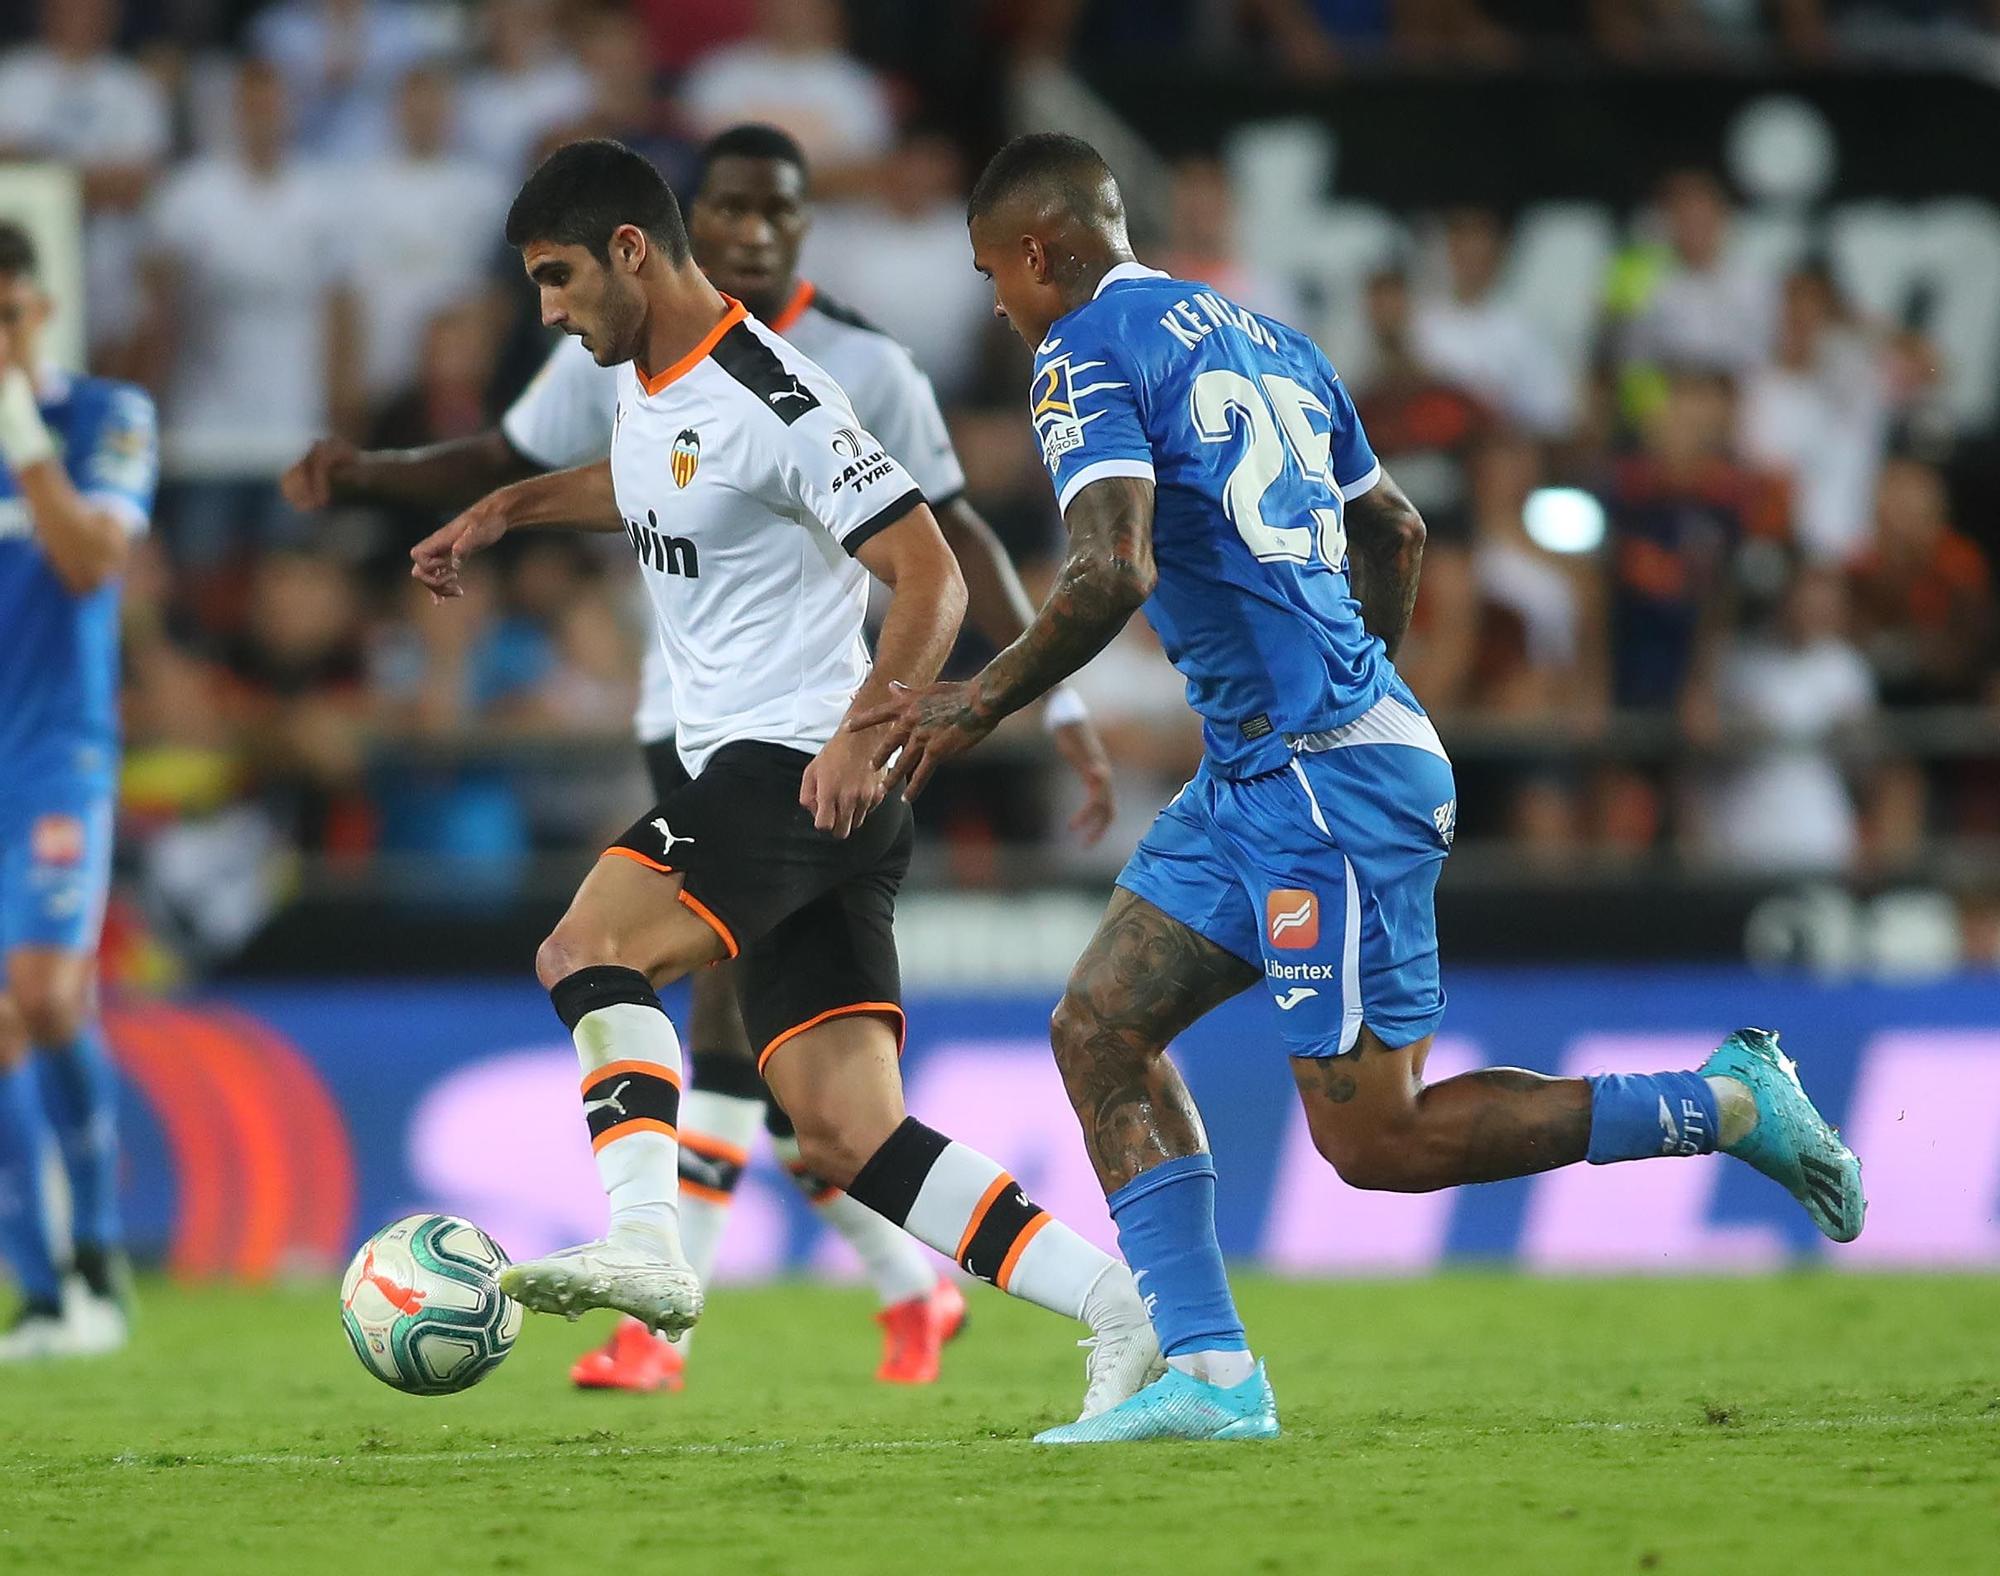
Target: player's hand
436, 559
929, 726
308, 483
843, 784
1078, 744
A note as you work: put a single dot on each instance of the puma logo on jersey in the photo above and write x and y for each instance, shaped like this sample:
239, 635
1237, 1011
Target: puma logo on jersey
670, 555
796, 392
1294, 996
667, 836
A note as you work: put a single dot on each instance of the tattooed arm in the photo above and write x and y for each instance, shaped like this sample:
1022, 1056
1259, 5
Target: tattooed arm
1385, 554
1108, 573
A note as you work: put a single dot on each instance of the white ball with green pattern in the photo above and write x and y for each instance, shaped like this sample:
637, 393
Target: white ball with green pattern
422, 1305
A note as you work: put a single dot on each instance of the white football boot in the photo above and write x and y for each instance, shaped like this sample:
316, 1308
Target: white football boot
1124, 1352
661, 1292
35, 1335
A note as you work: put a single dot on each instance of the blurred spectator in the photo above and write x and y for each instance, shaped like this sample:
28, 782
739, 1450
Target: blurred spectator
423, 223
1533, 635
249, 324
794, 72
1783, 802
342, 60
447, 401
297, 697
70, 98
1203, 243
1425, 430
1695, 300
1678, 510
528, 83
1471, 335
1925, 595
1815, 414
682, 31
902, 260
1635, 30
623, 103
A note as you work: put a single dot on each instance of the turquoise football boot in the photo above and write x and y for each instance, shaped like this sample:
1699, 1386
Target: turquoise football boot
1177, 1406
1792, 1143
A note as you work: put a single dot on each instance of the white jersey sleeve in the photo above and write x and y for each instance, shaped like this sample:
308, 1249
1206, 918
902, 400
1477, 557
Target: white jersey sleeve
901, 409
564, 416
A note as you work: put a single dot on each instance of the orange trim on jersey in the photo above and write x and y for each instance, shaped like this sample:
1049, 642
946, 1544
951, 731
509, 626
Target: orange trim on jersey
795, 308
708, 917
849, 1011
715, 1148
735, 314
700, 1190
994, 1189
641, 1069
637, 1124
1028, 1234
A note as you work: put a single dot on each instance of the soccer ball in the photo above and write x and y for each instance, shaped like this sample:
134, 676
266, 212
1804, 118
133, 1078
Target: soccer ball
422, 1305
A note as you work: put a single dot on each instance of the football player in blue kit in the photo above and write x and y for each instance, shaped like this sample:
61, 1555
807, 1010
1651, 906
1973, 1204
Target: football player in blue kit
1212, 473
78, 463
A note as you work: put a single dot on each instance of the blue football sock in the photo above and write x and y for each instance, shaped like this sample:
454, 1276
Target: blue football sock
1166, 1230
24, 1216
80, 1089
1636, 1116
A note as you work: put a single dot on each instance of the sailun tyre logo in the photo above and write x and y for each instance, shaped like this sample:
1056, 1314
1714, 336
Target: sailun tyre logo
847, 444
686, 456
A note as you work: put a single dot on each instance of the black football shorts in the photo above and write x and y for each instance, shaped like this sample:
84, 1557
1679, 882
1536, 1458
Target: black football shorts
810, 917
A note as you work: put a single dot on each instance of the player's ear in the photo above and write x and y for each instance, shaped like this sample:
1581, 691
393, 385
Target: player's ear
1036, 256
629, 247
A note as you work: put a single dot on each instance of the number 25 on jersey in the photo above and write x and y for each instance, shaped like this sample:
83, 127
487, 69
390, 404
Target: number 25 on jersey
1276, 417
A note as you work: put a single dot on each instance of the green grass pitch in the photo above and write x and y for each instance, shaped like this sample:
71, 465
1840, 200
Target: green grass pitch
1468, 1424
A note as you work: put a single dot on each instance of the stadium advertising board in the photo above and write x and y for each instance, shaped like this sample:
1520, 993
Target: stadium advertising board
273, 1126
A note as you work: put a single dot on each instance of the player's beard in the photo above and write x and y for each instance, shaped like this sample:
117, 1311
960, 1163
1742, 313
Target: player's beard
620, 331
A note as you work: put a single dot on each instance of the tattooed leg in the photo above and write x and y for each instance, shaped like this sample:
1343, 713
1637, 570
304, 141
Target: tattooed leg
1381, 1128
1141, 981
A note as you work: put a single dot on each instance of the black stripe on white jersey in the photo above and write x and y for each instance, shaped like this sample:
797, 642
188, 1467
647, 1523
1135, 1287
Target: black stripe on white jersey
755, 365
881, 520
841, 312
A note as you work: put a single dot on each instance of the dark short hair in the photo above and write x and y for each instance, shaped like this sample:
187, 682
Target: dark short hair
17, 250
584, 191
751, 140
1059, 170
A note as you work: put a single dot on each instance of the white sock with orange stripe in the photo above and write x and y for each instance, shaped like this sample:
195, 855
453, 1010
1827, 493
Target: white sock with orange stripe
964, 1205
716, 1133
897, 1266
631, 1060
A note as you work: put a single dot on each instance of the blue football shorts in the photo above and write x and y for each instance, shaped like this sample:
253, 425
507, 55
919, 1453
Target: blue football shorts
55, 862
1322, 874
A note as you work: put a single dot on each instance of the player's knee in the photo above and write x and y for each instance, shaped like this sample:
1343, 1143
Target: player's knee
1076, 1033
569, 948
1375, 1159
13, 1036
828, 1151
51, 1010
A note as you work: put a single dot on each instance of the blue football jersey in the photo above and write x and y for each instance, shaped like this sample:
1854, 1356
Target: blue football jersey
59, 651
1253, 448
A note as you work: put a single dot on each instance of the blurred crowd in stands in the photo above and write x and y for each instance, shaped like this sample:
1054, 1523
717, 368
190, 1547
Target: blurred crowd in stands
1668, 602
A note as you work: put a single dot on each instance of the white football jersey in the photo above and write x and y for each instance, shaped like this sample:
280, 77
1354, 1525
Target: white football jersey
747, 484
563, 418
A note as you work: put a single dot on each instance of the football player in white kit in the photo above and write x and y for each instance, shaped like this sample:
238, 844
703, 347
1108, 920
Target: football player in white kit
758, 505
746, 221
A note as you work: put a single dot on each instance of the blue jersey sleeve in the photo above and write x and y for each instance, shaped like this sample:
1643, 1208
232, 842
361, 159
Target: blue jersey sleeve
1355, 468
1085, 407
116, 464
